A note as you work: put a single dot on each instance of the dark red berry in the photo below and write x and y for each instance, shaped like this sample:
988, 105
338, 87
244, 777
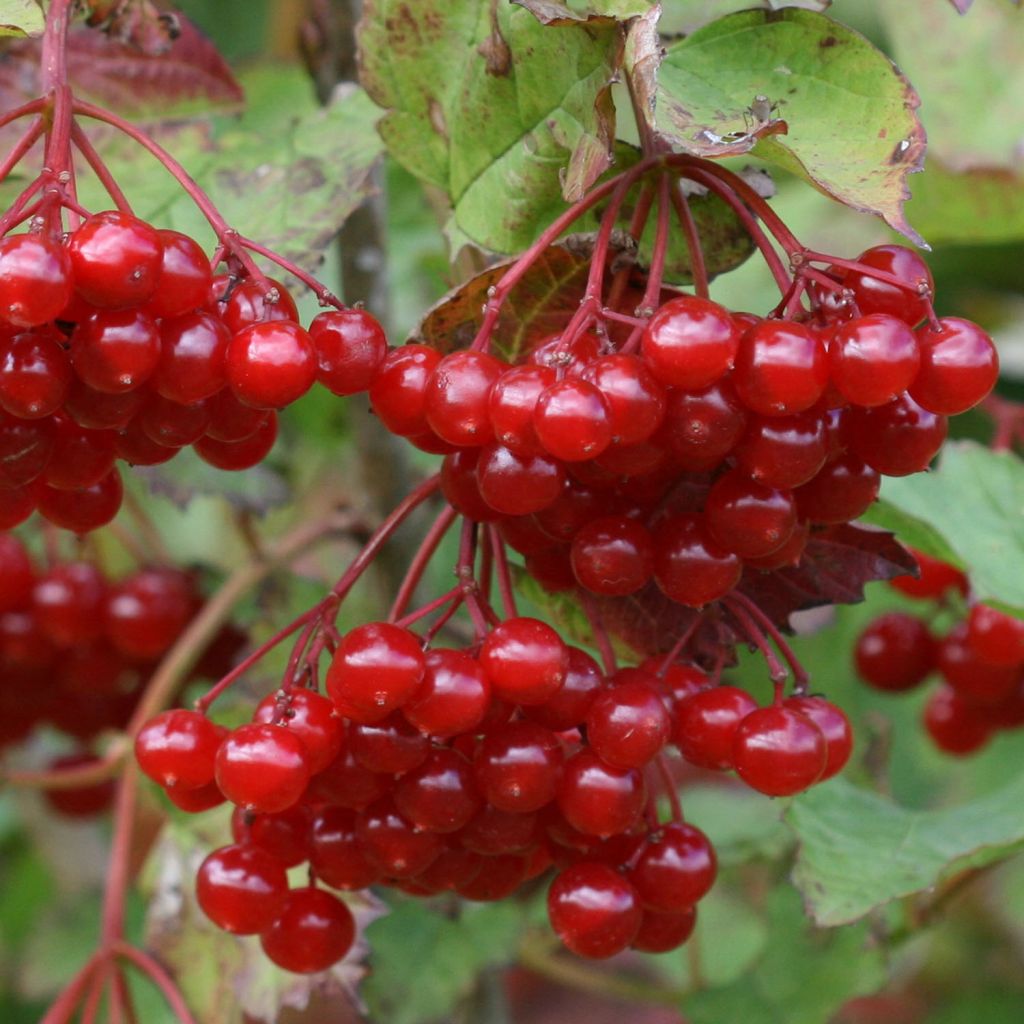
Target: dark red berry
953, 724
778, 751
440, 795
593, 910
690, 342
263, 768
35, 374
35, 279
193, 358
517, 485
116, 260
834, 726
959, 366
746, 517
781, 368
707, 722
872, 359
613, 555
350, 349
271, 364
399, 390
875, 296
596, 798
517, 767
146, 612
313, 931
676, 867
116, 350
185, 278
525, 660
178, 749
628, 723
573, 420
241, 889
690, 567
895, 652
452, 697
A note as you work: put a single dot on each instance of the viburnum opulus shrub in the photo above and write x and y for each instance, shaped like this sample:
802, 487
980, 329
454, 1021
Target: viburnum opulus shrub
628, 483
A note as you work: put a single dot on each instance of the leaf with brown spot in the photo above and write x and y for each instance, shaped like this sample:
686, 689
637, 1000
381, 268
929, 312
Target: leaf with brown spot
550, 12
849, 114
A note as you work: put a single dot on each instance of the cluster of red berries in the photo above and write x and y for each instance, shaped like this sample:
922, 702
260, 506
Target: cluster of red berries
118, 342
980, 659
719, 442
475, 771
76, 649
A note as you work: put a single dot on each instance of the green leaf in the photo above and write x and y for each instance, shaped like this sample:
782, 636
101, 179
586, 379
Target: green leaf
682, 17
742, 824
494, 111
423, 963
972, 503
852, 131
859, 851
550, 12
803, 975
20, 18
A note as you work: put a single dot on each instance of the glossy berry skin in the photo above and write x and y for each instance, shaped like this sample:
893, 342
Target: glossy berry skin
350, 349
241, 889
875, 296
553, 351
238, 455
872, 359
746, 517
934, 580
628, 723
376, 669
843, 490
185, 278
17, 574
147, 611
16, 505
460, 488
525, 660
517, 767
313, 932
517, 485
67, 603
781, 368
440, 795
568, 707
897, 439
975, 680
457, 397
35, 280
613, 555
690, 567
284, 836
263, 768
35, 375
995, 637
707, 722
100, 411
635, 398
195, 801
25, 450
954, 726
399, 390
452, 697
390, 841
309, 716
834, 726
895, 652
82, 510
230, 420
703, 427
573, 420
597, 799
493, 831
593, 910
391, 746
171, 424
193, 353
178, 748
778, 751
511, 404
959, 366
345, 783
676, 867
116, 260
80, 457
782, 451
271, 364
116, 350
335, 853
254, 301
690, 342
661, 933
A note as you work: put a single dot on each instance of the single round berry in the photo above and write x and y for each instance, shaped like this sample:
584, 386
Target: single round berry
457, 397
975, 680
172, 424
239, 455
573, 420
873, 295
517, 485
661, 933
452, 697
35, 375
628, 723
783, 451
746, 517
690, 342
959, 366
80, 457
897, 439
440, 795
376, 669
781, 368
676, 867
263, 768
613, 555
834, 726
954, 725
350, 349
525, 660
231, 421
392, 843
67, 602
517, 767
635, 398
285, 836
310, 717
778, 751
17, 575
116, 260
178, 749
703, 427
895, 652
116, 350
25, 450
345, 783
185, 278
841, 491
82, 510
146, 612
690, 567
596, 798
193, 353
399, 390
593, 910
313, 931
241, 889
335, 852
391, 746
873, 359
98, 410
510, 407
195, 801
35, 279
568, 707
271, 364
707, 722
934, 580
995, 637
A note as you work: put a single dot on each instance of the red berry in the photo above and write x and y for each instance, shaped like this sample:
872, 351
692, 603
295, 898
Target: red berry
513, 399
936, 577
525, 660
517, 767
628, 723
35, 375
613, 555
116, 350
309, 716
843, 490
399, 390
391, 746
313, 932
834, 726
897, 439
959, 366
178, 749
116, 260
185, 278
193, 354
271, 364
98, 410
82, 801
231, 421
875, 296
573, 420
516, 485
392, 844
781, 368
596, 798
82, 510
873, 359
239, 455
593, 910
707, 722
263, 768
146, 612
895, 652
778, 751
80, 457
635, 398
254, 301
995, 637
35, 279
954, 725
676, 867
335, 852
67, 602
457, 396
690, 342
195, 801
347, 784
25, 450
350, 349
440, 795
452, 697
17, 574
748, 518
285, 836
375, 670
661, 933
241, 889
689, 566
975, 680
783, 451
568, 707
703, 427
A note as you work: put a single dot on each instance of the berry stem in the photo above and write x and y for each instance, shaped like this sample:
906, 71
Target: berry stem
455, 594
28, 139
324, 295
465, 573
641, 211
504, 573
680, 644
424, 553
32, 107
801, 677
91, 1006
149, 967
100, 169
777, 672
698, 268
878, 275
16, 211
62, 1009
669, 785
443, 619
656, 271
116, 886
602, 641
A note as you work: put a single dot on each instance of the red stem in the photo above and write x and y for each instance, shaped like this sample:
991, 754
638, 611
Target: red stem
656, 271
636, 229
677, 647
776, 670
465, 571
112, 923
32, 107
100, 169
505, 588
14, 214
91, 1006
439, 602
63, 1007
601, 639
325, 296
698, 267
670, 788
800, 675
418, 566
148, 966
442, 620
28, 139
